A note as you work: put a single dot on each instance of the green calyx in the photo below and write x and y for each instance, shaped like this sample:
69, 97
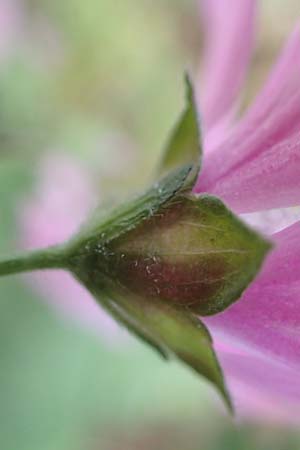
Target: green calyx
184, 257
161, 260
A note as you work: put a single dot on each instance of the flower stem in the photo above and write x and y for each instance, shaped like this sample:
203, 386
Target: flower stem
49, 258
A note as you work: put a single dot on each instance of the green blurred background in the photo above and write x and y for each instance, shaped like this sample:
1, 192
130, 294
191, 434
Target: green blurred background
92, 77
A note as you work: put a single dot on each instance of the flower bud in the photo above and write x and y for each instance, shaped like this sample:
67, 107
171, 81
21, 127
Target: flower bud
159, 262
166, 258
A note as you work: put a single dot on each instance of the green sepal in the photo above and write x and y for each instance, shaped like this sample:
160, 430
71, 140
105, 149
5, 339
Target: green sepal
184, 143
123, 317
177, 172
108, 225
191, 256
162, 259
164, 328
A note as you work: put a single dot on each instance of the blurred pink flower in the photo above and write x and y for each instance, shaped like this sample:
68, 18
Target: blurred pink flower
254, 166
64, 195
11, 24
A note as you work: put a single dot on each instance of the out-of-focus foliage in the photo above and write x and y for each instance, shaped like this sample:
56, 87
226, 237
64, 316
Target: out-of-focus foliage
103, 80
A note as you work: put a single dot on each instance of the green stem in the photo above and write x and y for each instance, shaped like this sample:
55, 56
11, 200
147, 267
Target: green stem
49, 258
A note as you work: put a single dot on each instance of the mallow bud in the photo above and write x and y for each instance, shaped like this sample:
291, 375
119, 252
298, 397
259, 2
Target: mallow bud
161, 261
165, 259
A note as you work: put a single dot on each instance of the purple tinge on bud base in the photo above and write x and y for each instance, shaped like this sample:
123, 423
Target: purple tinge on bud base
192, 254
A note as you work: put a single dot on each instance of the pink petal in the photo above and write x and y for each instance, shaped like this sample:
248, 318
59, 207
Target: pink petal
270, 180
265, 322
261, 387
257, 339
229, 26
258, 166
63, 198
